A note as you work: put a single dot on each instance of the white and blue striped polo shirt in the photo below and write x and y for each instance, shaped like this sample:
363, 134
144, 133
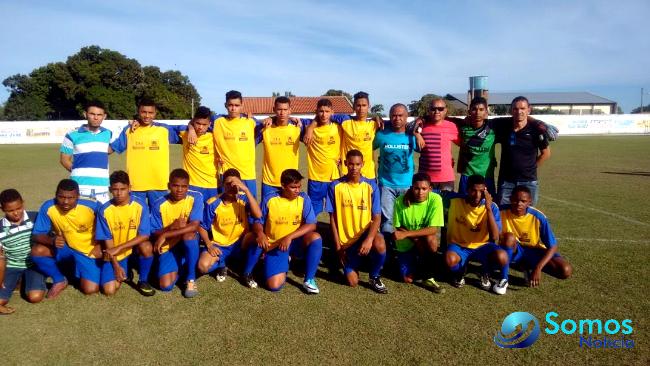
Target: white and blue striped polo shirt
89, 152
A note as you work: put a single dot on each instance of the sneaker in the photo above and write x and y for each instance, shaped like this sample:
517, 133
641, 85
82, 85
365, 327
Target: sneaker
485, 282
249, 281
434, 286
222, 273
458, 282
377, 285
190, 289
500, 287
56, 289
145, 289
310, 286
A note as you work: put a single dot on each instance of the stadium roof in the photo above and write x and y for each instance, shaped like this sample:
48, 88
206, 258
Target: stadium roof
541, 98
299, 105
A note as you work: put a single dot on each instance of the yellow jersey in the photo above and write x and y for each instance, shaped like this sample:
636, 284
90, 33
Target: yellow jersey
200, 160
355, 204
227, 221
358, 135
531, 230
467, 226
235, 141
281, 144
281, 216
324, 153
122, 223
165, 211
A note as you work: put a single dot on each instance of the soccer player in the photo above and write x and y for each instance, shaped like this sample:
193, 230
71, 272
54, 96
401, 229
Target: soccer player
65, 227
473, 230
529, 241
287, 228
147, 153
15, 246
355, 216
226, 218
418, 217
176, 218
281, 143
84, 153
123, 224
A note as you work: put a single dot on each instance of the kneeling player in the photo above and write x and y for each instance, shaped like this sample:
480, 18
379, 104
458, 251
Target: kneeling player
417, 217
529, 240
122, 224
226, 219
176, 218
355, 216
287, 227
473, 229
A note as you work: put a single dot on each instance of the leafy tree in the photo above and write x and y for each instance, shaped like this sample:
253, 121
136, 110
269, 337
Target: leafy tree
420, 107
60, 90
338, 93
646, 109
619, 110
377, 110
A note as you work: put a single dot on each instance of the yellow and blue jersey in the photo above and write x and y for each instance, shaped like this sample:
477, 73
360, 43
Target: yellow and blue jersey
357, 135
227, 221
122, 223
324, 152
235, 141
281, 216
531, 230
467, 226
354, 204
165, 211
200, 159
147, 155
281, 144
77, 226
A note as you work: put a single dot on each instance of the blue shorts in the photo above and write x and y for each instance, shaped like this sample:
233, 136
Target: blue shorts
33, 280
207, 193
150, 196
277, 261
317, 192
529, 257
489, 183
233, 250
479, 254
267, 189
171, 260
108, 274
352, 257
86, 268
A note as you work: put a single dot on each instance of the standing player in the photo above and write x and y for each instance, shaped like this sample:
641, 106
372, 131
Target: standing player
474, 225
528, 239
176, 217
84, 153
287, 227
65, 227
355, 216
15, 263
418, 216
147, 153
226, 220
123, 224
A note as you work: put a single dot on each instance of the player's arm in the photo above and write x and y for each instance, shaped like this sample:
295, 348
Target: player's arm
401, 233
120, 143
66, 161
338, 246
253, 206
544, 155
3, 264
536, 276
285, 241
260, 236
373, 230
492, 217
173, 231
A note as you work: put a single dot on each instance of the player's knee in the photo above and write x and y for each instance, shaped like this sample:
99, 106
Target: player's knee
39, 250
566, 270
433, 243
189, 236
379, 244
451, 259
109, 289
311, 237
145, 249
204, 266
508, 240
89, 288
35, 296
501, 257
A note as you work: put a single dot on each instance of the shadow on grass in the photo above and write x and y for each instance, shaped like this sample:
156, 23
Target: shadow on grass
643, 174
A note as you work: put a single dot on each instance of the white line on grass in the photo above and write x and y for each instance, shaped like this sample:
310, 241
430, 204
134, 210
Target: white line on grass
624, 218
601, 240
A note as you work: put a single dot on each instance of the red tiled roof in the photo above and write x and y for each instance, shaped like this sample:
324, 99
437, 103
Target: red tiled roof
299, 105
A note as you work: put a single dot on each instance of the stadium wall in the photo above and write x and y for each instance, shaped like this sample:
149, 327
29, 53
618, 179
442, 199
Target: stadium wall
49, 132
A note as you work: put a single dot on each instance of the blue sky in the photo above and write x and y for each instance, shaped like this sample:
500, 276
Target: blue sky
396, 52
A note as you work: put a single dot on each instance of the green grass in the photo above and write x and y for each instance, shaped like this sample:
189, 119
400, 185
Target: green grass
606, 238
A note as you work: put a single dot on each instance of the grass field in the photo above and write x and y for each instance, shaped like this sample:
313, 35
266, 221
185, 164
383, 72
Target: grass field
593, 190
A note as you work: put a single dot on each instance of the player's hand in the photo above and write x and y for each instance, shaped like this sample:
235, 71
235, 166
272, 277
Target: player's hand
267, 122
112, 252
160, 242
308, 137
134, 124
239, 184
379, 122
192, 138
262, 241
399, 234
488, 198
213, 250
59, 241
249, 115
297, 121
341, 254
535, 278
420, 141
365, 247
120, 275
284, 244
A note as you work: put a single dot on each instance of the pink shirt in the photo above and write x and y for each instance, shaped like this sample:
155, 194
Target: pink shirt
435, 158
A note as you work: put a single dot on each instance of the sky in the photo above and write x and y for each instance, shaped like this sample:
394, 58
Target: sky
395, 50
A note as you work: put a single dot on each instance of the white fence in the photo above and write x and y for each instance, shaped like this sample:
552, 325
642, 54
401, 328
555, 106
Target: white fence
49, 132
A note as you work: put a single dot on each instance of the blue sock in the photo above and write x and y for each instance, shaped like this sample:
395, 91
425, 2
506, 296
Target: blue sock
191, 257
376, 262
252, 256
314, 252
145, 264
47, 266
506, 269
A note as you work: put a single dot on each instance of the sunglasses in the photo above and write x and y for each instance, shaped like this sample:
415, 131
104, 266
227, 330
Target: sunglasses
439, 109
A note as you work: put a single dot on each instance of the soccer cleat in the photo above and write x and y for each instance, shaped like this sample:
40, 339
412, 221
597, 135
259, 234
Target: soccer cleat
485, 282
377, 285
500, 287
222, 273
458, 282
249, 281
434, 286
56, 289
190, 289
311, 287
145, 289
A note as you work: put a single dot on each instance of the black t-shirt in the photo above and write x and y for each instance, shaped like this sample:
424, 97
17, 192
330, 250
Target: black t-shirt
519, 151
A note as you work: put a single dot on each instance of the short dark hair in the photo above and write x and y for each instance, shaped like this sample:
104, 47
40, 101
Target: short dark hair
146, 102
233, 94
398, 105
524, 189
324, 102
281, 100
95, 103
67, 185
232, 172
202, 112
518, 99
119, 176
290, 176
353, 152
409, 196
420, 177
178, 173
360, 95
9, 195
475, 179
477, 101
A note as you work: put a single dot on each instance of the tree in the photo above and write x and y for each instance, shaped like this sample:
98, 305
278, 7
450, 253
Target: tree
619, 110
419, 108
377, 110
646, 109
338, 93
60, 90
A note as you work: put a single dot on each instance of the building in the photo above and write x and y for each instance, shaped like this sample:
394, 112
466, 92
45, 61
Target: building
263, 106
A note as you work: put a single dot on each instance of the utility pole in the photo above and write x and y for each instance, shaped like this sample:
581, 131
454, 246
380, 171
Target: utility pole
641, 109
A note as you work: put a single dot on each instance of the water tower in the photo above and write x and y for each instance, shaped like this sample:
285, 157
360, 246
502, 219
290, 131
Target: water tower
477, 88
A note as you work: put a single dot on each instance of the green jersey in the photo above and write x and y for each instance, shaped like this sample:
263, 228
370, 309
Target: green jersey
418, 215
476, 155
15, 241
